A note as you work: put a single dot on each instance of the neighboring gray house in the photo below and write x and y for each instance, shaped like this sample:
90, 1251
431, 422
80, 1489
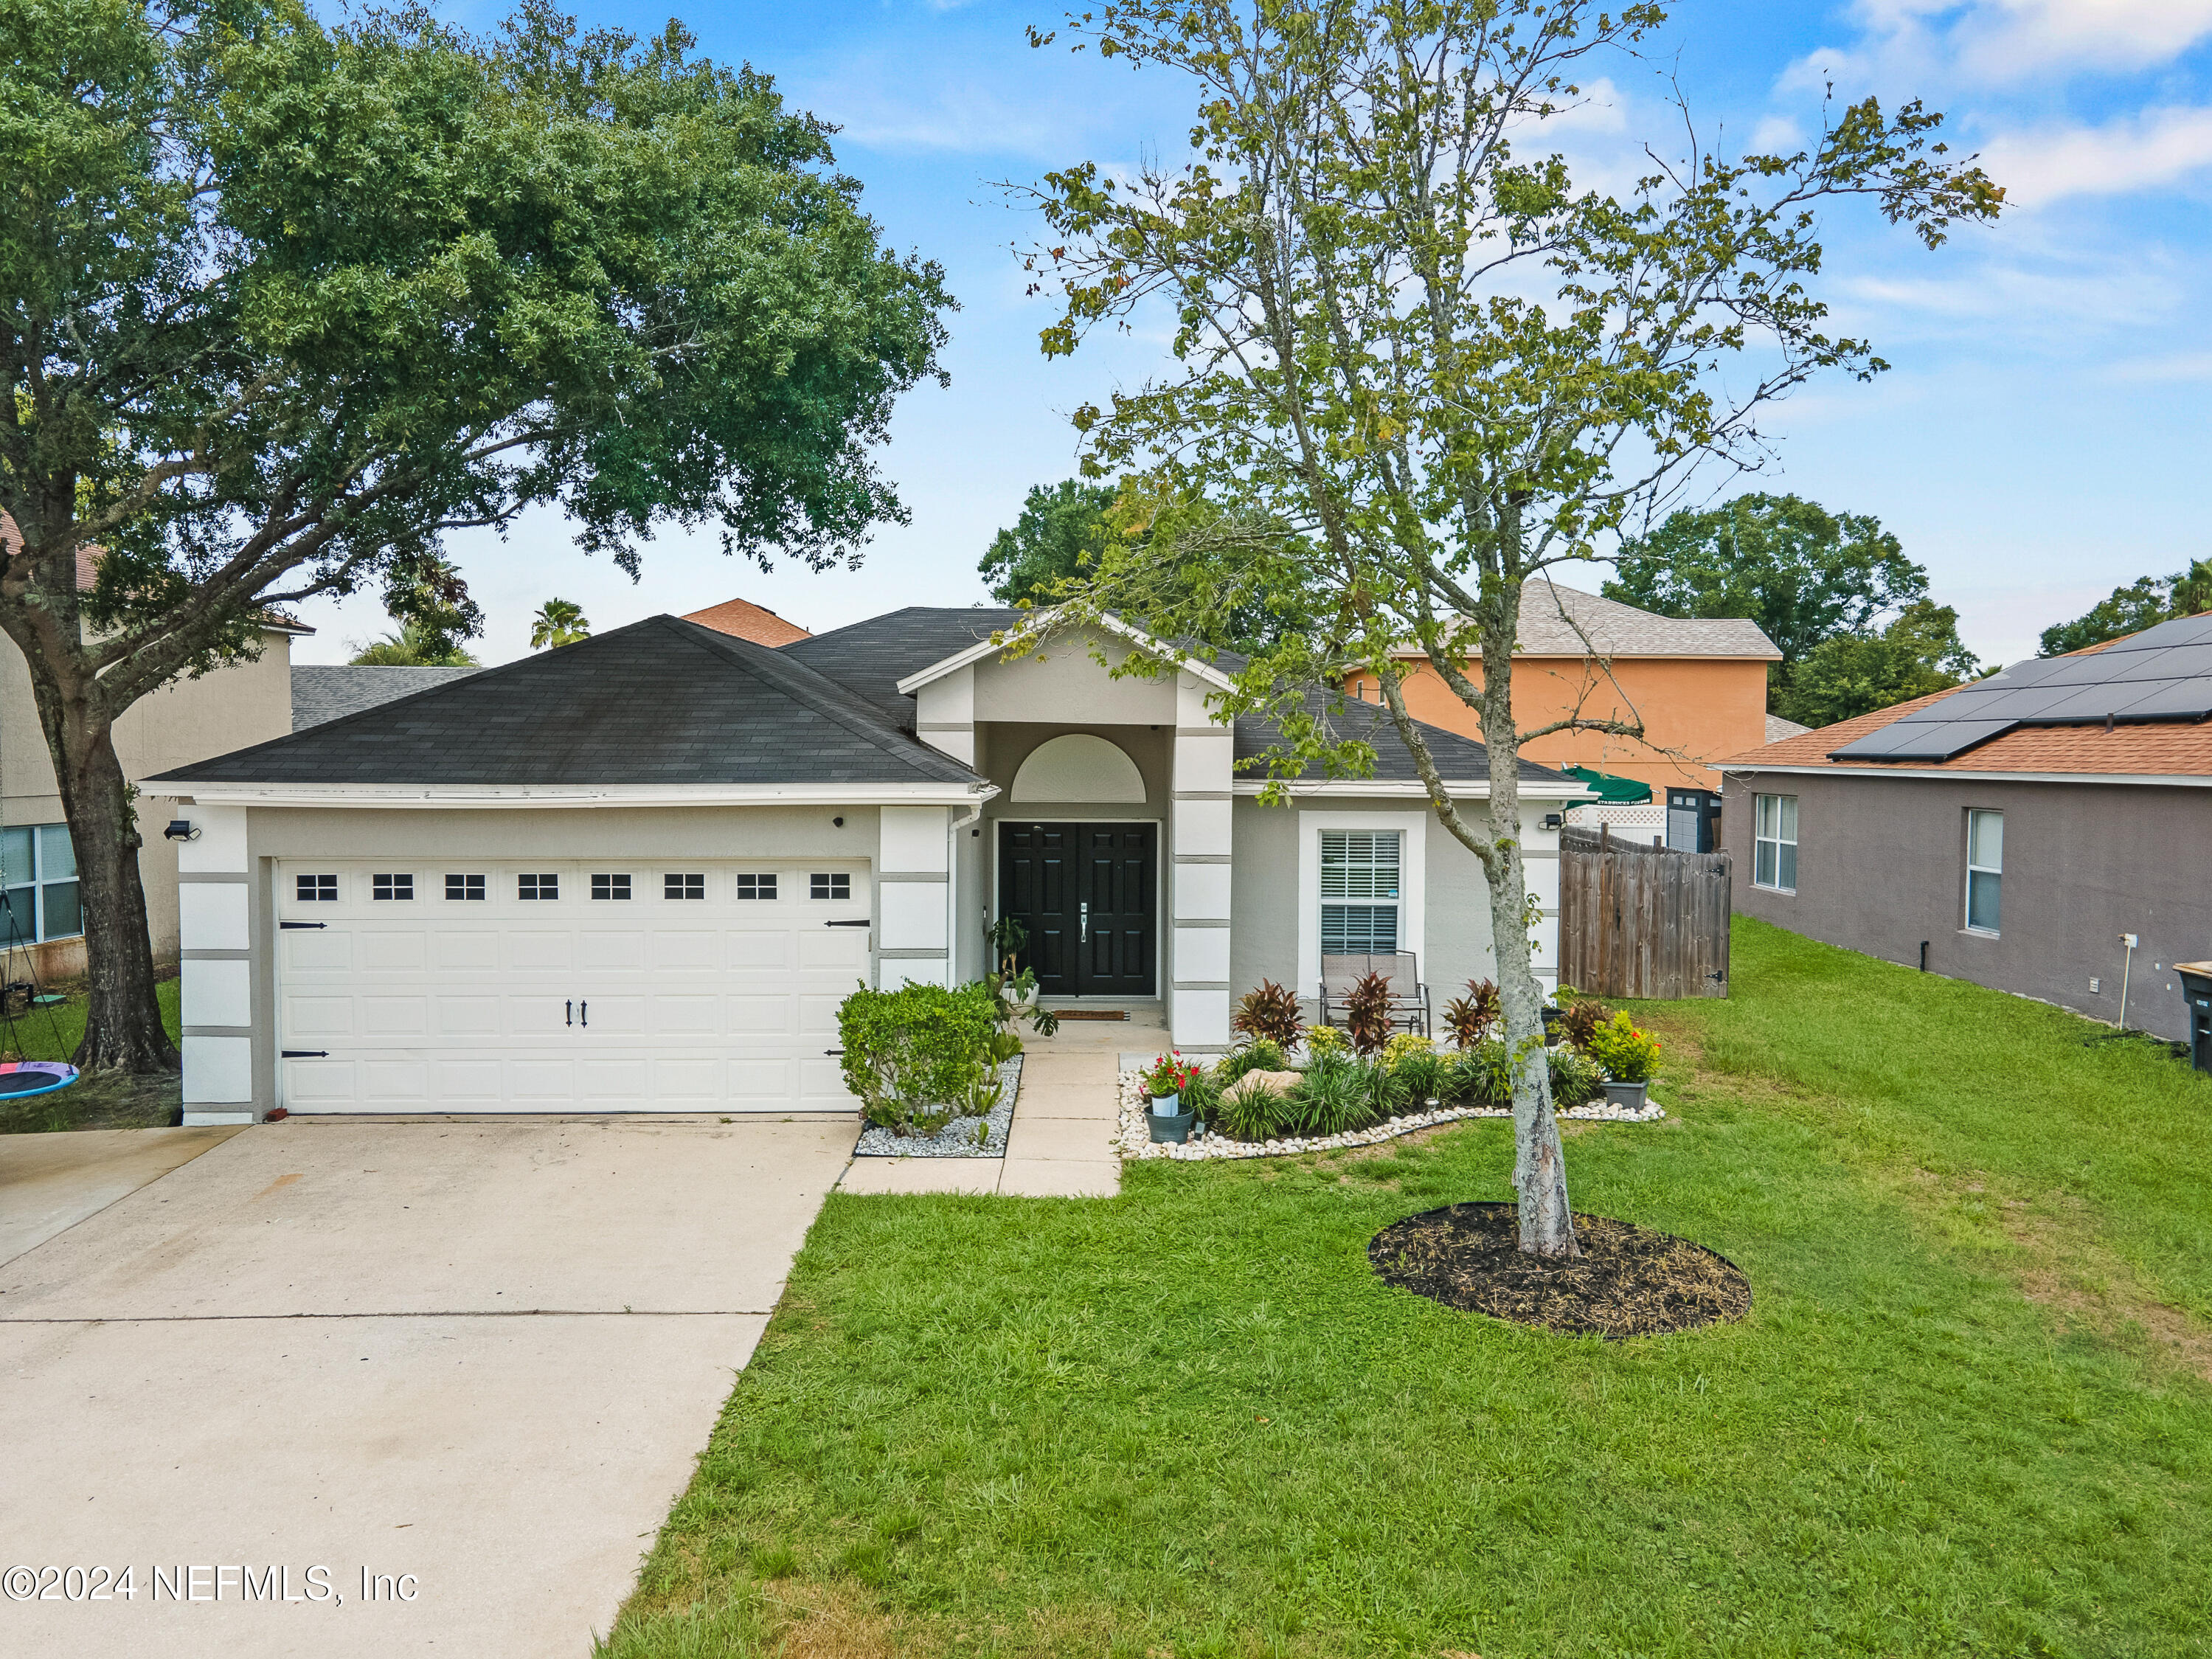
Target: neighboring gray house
2015, 831
642, 871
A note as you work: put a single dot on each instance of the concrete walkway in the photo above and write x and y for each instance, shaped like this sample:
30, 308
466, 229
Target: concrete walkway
1061, 1144
474, 1360
50, 1182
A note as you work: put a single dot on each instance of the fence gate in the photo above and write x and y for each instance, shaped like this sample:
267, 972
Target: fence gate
1641, 921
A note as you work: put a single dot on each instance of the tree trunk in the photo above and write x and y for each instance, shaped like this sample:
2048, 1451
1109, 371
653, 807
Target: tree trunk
123, 1025
1540, 1167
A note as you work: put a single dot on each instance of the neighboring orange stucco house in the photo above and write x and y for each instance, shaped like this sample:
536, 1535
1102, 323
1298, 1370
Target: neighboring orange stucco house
1698, 686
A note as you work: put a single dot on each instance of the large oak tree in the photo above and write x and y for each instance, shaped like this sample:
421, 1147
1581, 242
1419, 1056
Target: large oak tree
1415, 365
282, 304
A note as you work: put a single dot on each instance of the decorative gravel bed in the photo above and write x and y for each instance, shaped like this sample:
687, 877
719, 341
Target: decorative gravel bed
1133, 1140
956, 1138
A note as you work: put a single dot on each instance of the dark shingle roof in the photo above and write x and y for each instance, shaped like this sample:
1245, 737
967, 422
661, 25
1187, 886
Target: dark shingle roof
873, 656
663, 701
322, 692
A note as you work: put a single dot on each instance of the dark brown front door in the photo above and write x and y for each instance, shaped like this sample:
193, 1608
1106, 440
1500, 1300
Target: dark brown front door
1088, 894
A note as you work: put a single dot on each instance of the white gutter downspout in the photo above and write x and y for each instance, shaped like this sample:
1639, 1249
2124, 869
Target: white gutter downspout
952, 884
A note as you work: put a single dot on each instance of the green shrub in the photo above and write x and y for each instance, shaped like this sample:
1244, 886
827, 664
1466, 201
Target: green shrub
1325, 1040
1202, 1095
919, 1056
1253, 1057
1255, 1114
1627, 1053
1419, 1080
1337, 1094
1574, 1076
1483, 1076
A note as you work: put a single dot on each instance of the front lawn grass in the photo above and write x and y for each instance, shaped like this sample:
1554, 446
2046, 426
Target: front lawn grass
1968, 1414
104, 1101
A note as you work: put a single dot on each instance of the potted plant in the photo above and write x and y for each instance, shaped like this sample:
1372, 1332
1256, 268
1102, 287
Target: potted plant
1629, 1056
1165, 1080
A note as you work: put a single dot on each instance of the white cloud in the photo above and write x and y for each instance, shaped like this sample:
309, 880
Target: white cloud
2165, 369
2155, 147
2005, 41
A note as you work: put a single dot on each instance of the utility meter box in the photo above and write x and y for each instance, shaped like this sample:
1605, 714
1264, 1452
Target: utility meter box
1694, 820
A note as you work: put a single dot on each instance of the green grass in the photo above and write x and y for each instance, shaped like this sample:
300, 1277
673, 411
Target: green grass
102, 1102
1968, 1414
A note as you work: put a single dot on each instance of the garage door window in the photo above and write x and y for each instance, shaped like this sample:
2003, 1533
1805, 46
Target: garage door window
683, 886
610, 887
757, 887
537, 887
838, 886
311, 890
392, 887
465, 887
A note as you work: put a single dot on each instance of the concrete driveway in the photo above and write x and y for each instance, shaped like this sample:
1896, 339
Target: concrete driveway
461, 1367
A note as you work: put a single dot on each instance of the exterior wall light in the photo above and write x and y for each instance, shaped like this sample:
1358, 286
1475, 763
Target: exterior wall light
181, 830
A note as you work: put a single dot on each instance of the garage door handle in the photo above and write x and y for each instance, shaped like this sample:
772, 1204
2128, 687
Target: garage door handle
287, 925
569, 1011
583, 1013
862, 922
305, 1053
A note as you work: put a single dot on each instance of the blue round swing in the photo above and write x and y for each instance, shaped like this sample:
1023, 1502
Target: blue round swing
22, 1078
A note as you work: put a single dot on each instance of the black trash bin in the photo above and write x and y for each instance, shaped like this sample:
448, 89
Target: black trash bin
2196, 991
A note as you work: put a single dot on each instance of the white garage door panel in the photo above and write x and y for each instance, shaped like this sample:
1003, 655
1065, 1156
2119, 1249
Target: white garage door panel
573, 1004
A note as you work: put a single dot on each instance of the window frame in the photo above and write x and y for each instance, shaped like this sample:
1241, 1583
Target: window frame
1994, 872
683, 886
397, 887
320, 887
616, 884
38, 839
544, 887
823, 886
473, 888
1371, 903
757, 887
1761, 840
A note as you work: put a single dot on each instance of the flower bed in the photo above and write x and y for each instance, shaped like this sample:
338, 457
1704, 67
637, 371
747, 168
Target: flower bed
1133, 1140
967, 1136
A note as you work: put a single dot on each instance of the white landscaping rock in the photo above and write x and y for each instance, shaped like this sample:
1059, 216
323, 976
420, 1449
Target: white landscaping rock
1134, 1141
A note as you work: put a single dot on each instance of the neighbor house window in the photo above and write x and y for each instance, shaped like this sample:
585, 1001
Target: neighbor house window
1984, 870
465, 887
1360, 895
610, 887
37, 885
836, 886
757, 887
683, 887
312, 890
392, 887
1774, 843
537, 887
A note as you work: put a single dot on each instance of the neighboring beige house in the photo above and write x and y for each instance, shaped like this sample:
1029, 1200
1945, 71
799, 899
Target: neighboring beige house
190, 721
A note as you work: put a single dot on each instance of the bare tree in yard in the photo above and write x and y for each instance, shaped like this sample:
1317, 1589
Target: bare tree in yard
1417, 366
280, 305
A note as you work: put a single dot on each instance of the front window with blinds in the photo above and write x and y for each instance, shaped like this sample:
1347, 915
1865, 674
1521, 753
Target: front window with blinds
1774, 843
1360, 891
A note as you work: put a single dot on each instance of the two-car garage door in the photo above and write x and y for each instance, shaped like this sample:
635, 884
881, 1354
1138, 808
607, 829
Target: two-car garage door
452, 986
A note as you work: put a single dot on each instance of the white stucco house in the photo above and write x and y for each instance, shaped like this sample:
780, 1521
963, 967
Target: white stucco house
639, 873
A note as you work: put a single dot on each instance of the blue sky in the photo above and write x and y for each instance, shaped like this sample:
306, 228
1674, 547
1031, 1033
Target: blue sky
2042, 435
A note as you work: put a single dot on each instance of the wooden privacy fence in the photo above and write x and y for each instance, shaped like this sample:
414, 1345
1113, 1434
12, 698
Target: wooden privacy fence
1641, 921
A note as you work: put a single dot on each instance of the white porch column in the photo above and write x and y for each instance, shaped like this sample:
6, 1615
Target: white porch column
215, 945
912, 873
1199, 841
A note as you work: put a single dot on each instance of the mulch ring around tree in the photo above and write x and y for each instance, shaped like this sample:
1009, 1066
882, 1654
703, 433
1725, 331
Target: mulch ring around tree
1628, 1282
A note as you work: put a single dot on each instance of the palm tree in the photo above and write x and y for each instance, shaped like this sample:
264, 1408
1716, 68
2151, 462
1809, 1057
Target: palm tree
412, 646
558, 621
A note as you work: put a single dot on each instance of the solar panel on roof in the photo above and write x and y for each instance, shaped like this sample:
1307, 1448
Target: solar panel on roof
1922, 740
